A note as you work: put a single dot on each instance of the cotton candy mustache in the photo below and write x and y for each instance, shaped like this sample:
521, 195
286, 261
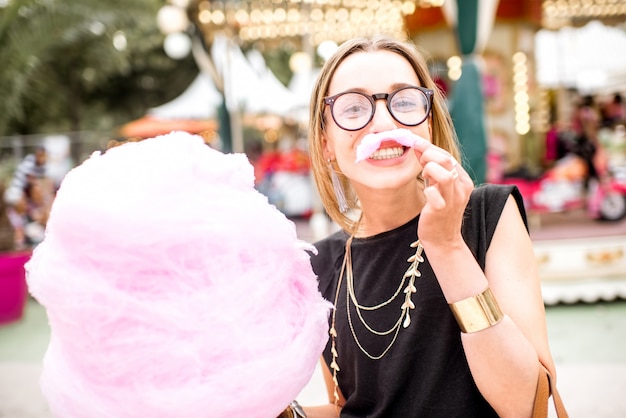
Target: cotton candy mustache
371, 142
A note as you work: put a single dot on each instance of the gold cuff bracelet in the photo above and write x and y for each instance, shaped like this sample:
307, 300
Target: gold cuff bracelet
477, 313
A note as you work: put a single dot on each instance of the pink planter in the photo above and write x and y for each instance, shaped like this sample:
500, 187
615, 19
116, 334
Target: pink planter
13, 291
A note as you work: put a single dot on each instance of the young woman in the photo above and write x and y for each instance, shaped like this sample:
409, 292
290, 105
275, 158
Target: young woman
459, 329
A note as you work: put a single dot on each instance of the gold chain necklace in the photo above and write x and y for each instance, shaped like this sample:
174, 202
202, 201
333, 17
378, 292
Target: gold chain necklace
346, 269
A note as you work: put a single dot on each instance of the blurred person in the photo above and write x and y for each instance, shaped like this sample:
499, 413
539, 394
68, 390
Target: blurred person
586, 124
33, 166
404, 342
586, 118
28, 215
38, 195
16, 213
615, 111
553, 150
7, 232
285, 178
28, 198
254, 151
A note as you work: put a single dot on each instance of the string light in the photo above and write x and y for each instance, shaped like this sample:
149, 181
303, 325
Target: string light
319, 20
454, 64
559, 13
521, 97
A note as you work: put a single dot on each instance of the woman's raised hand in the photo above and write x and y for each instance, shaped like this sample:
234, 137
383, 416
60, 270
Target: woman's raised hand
447, 188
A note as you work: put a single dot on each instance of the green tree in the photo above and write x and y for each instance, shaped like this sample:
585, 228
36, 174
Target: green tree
82, 64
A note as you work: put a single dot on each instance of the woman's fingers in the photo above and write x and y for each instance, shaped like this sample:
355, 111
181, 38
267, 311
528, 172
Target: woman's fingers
444, 177
427, 152
434, 198
440, 168
446, 184
453, 171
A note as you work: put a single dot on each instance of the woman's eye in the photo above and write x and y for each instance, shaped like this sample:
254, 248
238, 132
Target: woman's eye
353, 110
405, 105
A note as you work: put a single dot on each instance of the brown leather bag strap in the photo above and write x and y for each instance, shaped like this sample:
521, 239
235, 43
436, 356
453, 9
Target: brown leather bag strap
546, 387
542, 396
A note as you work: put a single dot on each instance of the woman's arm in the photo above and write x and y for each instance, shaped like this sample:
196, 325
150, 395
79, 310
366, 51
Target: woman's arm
503, 358
330, 410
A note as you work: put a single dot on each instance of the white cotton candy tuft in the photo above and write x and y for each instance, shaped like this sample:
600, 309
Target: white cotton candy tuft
173, 289
371, 142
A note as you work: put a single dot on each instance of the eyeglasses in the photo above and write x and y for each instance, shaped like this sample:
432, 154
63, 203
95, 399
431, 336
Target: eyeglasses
353, 110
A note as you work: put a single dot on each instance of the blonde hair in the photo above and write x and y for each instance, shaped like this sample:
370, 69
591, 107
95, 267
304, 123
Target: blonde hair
443, 134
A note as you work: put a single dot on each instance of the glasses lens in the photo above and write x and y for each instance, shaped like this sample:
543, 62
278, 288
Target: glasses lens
409, 106
352, 111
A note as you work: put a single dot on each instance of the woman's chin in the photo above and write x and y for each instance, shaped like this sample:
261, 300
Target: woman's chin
392, 179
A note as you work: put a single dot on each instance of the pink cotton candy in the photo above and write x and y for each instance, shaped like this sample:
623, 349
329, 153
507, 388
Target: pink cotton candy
173, 289
371, 142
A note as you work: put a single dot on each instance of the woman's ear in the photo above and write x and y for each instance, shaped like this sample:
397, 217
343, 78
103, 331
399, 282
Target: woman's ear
329, 154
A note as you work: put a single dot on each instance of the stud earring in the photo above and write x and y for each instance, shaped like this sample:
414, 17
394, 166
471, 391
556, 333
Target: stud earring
340, 194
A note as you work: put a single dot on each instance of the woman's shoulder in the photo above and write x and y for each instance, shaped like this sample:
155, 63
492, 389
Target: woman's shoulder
493, 197
327, 259
482, 215
487, 203
331, 245
490, 190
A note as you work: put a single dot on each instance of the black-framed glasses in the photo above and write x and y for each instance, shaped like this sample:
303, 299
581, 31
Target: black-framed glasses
353, 110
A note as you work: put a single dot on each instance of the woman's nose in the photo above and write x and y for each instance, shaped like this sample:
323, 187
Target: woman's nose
382, 120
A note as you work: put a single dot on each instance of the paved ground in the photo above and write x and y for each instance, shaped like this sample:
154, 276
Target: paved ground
574, 224
588, 343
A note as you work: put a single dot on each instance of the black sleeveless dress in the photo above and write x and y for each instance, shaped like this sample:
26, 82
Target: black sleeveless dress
425, 373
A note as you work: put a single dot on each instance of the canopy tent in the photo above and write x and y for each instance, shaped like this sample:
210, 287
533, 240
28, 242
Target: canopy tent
301, 85
193, 111
472, 21
199, 101
251, 88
